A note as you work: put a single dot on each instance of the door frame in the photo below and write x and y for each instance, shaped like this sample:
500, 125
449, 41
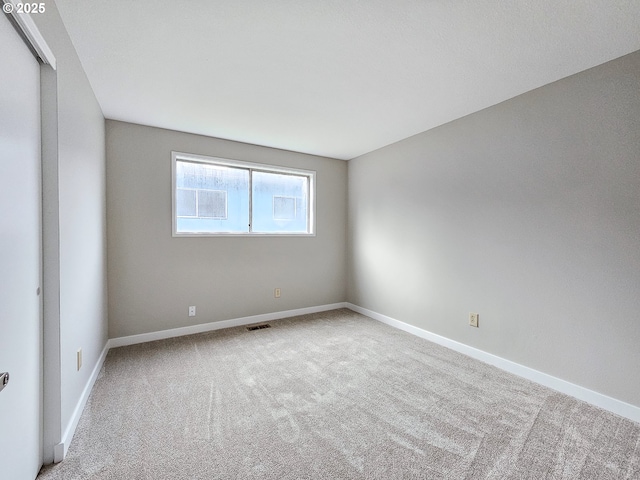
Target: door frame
30, 33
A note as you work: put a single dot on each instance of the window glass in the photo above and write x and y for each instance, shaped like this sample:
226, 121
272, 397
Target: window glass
186, 203
211, 198
284, 208
212, 204
279, 202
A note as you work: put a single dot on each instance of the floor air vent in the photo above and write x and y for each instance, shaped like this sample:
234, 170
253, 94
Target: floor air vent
258, 327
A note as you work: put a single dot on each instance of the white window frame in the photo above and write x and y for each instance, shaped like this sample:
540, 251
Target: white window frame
251, 166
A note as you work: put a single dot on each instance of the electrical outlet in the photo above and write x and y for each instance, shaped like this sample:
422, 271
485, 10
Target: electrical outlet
79, 358
276, 293
473, 319
192, 311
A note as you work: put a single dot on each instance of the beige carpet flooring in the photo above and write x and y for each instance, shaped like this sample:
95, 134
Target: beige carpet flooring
333, 395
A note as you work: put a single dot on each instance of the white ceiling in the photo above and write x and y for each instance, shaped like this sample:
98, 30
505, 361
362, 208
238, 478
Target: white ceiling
337, 78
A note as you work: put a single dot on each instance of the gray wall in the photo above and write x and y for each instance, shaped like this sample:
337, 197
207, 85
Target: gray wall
81, 217
154, 277
527, 212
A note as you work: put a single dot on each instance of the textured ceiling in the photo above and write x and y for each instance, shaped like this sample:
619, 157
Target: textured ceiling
337, 78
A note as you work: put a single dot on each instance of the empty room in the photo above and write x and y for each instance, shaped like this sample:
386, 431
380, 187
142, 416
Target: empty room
320, 239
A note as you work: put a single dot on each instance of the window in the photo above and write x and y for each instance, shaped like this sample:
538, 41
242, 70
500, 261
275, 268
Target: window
216, 196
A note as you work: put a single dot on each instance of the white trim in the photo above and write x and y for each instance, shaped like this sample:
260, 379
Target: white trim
32, 34
245, 235
208, 327
263, 167
605, 402
58, 453
52, 418
63, 447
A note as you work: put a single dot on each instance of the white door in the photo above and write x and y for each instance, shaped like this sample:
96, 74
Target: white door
20, 258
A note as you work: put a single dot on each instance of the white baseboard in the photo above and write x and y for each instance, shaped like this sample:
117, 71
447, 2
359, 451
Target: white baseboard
594, 398
61, 449
208, 327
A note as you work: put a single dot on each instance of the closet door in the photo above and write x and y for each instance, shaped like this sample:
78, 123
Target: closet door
20, 258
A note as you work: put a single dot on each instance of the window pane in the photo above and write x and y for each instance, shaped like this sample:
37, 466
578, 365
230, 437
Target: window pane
279, 203
212, 204
222, 195
186, 203
284, 208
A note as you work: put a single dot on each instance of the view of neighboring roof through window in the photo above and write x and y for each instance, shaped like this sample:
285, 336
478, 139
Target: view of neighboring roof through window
215, 196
